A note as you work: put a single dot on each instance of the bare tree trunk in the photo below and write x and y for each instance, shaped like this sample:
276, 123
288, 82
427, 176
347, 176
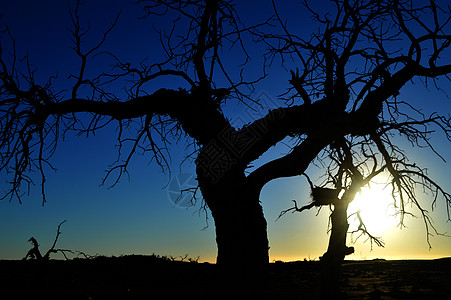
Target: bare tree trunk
241, 233
336, 251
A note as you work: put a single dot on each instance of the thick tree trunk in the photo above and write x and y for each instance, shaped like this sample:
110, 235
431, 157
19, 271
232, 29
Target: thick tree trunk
336, 251
241, 233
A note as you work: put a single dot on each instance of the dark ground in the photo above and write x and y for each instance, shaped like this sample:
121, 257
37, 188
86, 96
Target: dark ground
151, 277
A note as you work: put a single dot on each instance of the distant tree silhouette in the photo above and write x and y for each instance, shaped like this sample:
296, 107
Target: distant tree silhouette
347, 178
35, 253
346, 81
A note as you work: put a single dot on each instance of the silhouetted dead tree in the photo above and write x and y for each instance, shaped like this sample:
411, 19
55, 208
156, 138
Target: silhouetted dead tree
346, 81
35, 253
362, 55
344, 179
353, 164
351, 176
34, 116
358, 61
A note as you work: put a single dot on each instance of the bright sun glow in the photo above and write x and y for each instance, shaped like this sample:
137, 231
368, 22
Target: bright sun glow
376, 209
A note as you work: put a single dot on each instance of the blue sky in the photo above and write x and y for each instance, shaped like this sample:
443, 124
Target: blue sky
137, 216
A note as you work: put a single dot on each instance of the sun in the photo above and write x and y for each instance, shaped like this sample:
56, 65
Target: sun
376, 206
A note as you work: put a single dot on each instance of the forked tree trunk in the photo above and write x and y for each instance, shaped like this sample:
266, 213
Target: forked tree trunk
336, 251
241, 233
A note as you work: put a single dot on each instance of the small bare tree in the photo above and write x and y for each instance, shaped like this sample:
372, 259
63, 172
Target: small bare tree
35, 253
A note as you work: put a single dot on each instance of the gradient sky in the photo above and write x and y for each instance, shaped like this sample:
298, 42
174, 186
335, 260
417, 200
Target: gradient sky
137, 216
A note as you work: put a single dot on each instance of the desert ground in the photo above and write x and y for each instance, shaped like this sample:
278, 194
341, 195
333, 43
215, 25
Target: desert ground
154, 277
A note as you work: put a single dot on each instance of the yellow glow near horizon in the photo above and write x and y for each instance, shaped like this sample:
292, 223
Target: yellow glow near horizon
376, 207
